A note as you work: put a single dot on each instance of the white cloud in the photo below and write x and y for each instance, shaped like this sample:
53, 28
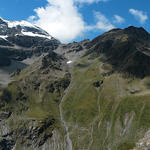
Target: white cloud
118, 19
31, 18
61, 19
139, 15
103, 23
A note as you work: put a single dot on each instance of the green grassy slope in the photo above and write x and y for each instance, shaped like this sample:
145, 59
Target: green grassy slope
112, 116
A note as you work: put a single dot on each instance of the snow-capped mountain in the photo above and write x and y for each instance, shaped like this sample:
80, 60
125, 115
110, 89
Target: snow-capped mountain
20, 40
9, 28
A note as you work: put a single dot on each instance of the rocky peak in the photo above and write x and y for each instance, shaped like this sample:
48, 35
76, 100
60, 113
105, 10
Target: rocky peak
127, 50
136, 32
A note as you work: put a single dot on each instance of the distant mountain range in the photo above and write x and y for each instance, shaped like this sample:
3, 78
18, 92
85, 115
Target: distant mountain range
88, 95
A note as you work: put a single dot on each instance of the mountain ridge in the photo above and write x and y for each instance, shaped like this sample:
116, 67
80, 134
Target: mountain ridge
92, 94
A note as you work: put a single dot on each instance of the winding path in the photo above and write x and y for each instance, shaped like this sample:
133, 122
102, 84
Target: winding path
68, 140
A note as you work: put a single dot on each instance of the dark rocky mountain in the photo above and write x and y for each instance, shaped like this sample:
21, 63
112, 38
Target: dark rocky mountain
89, 95
128, 50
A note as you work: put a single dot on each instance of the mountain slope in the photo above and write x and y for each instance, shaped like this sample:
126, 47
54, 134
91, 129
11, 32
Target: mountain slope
91, 95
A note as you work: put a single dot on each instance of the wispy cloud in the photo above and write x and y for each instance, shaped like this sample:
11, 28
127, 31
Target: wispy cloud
90, 1
103, 23
139, 15
118, 19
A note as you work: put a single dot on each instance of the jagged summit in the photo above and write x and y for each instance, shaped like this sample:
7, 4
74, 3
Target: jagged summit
137, 32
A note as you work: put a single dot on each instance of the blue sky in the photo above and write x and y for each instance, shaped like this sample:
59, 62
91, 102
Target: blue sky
70, 20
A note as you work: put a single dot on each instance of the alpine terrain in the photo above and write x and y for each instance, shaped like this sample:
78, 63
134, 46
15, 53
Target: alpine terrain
88, 95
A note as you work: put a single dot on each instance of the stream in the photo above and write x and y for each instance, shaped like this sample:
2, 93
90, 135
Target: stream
68, 140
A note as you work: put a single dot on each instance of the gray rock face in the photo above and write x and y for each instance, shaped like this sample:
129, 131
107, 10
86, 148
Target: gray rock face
73, 51
4, 115
6, 144
144, 143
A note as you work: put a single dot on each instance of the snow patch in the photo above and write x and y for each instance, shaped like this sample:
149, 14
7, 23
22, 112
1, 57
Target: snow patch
36, 35
12, 24
69, 62
3, 20
3, 37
